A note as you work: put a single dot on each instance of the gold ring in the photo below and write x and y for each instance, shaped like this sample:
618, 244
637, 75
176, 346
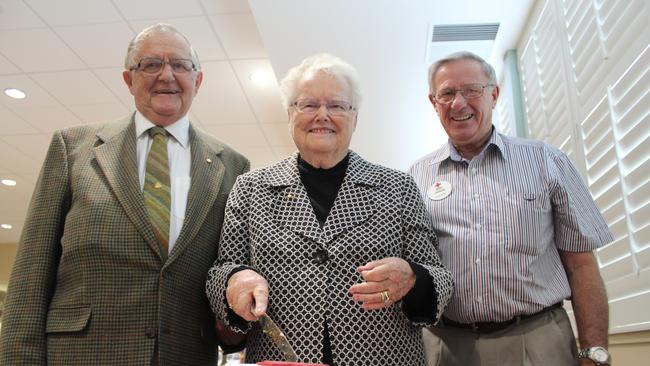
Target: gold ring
384, 296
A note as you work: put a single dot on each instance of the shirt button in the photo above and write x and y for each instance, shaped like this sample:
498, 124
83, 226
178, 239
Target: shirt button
478, 261
476, 195
474, 170
320, 256
478, 226
479, 299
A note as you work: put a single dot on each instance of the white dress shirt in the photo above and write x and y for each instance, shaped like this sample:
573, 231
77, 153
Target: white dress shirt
180, 161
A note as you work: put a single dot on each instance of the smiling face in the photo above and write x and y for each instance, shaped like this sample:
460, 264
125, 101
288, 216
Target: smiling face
321, 138
468, 122
165, 97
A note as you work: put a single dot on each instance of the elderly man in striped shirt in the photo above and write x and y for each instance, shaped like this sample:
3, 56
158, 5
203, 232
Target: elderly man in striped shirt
517, 228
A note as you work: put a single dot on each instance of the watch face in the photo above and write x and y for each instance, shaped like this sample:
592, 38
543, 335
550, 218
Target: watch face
599, 355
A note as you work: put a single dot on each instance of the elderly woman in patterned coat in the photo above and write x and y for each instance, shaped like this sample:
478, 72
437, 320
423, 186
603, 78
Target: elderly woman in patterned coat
337, 250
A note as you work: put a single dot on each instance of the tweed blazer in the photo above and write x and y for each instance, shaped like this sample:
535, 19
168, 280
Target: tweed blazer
89, 286
271, 227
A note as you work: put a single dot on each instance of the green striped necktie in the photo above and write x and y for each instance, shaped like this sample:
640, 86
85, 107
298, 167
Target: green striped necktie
157, 193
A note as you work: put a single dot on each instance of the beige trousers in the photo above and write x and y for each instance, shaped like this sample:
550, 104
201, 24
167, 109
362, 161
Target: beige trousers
546, 339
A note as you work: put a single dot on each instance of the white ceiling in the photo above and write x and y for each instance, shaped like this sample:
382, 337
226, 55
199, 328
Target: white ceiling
67, 56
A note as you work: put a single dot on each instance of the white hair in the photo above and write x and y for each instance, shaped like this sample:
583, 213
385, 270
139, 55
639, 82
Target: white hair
321, 62
160, 28
488, 70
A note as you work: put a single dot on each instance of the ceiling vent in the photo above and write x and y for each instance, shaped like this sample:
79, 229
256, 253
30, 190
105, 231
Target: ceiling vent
445, 39
465, 32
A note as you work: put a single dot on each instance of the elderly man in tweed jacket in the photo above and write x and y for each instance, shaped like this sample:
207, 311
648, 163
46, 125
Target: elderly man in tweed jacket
91, 284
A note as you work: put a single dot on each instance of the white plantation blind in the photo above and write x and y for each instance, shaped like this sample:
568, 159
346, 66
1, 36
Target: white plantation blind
585, 73
502, 117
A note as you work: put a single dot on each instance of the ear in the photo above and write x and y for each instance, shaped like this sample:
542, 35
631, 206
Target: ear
198, 81
290, 122
354, 123
495, 95
128, 79
433, 103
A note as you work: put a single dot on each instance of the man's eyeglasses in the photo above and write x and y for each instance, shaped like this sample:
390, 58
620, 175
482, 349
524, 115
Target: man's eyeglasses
152, 65
334, 107
469, 91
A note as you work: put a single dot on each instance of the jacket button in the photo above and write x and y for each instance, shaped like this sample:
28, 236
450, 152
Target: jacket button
151, 332
320, 256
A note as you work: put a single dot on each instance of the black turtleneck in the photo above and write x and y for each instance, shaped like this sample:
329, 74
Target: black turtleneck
322, 185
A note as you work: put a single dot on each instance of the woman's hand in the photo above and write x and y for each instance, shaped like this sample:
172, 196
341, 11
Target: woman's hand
386, 281
247, 293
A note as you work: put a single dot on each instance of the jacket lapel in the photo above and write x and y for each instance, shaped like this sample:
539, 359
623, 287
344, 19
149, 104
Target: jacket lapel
206, 173
116, 156
354, 203
291, 208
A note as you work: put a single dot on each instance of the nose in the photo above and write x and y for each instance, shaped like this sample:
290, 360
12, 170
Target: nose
459, 100
322, 113
166, 73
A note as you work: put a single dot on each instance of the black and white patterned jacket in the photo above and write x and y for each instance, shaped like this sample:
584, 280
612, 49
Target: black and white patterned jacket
270, 226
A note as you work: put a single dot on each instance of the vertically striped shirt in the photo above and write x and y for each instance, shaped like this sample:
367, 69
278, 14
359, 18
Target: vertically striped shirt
509, 210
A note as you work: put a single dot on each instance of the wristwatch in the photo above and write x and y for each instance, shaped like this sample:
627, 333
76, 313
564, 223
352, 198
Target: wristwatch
599, 355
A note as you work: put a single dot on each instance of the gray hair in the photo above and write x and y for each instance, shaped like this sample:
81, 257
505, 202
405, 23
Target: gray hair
321, 62
160, 28
488, 70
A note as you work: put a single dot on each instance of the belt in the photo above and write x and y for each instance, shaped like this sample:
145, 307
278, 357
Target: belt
490, 327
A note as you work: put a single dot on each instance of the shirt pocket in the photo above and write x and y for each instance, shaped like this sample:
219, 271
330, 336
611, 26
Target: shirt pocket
67, 319
528, 221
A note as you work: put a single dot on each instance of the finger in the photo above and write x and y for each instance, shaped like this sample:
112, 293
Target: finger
242, 307
370, 265
261, 297
381, 270
376, 305
375, 297
369, 287
378, 301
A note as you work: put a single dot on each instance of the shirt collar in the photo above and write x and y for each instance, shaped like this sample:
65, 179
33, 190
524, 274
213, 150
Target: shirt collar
179, 129
449, 151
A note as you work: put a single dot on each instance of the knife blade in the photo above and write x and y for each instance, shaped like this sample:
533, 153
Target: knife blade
279, 339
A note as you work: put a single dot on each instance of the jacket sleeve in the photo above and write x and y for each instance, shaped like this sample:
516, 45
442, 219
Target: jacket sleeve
33, 277
421, 250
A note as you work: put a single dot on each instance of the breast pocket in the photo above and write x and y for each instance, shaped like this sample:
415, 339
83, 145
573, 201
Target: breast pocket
67, 319
529, 219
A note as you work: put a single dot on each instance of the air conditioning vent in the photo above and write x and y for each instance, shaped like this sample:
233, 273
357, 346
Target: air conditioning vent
465, 32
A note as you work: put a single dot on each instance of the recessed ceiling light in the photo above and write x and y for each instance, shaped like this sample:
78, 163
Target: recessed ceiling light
8, 182
6, 226
260, 78
15, 93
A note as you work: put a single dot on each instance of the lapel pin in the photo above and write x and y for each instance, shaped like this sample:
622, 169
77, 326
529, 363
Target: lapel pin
439, 190
209, 160
157, 185
290, 195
